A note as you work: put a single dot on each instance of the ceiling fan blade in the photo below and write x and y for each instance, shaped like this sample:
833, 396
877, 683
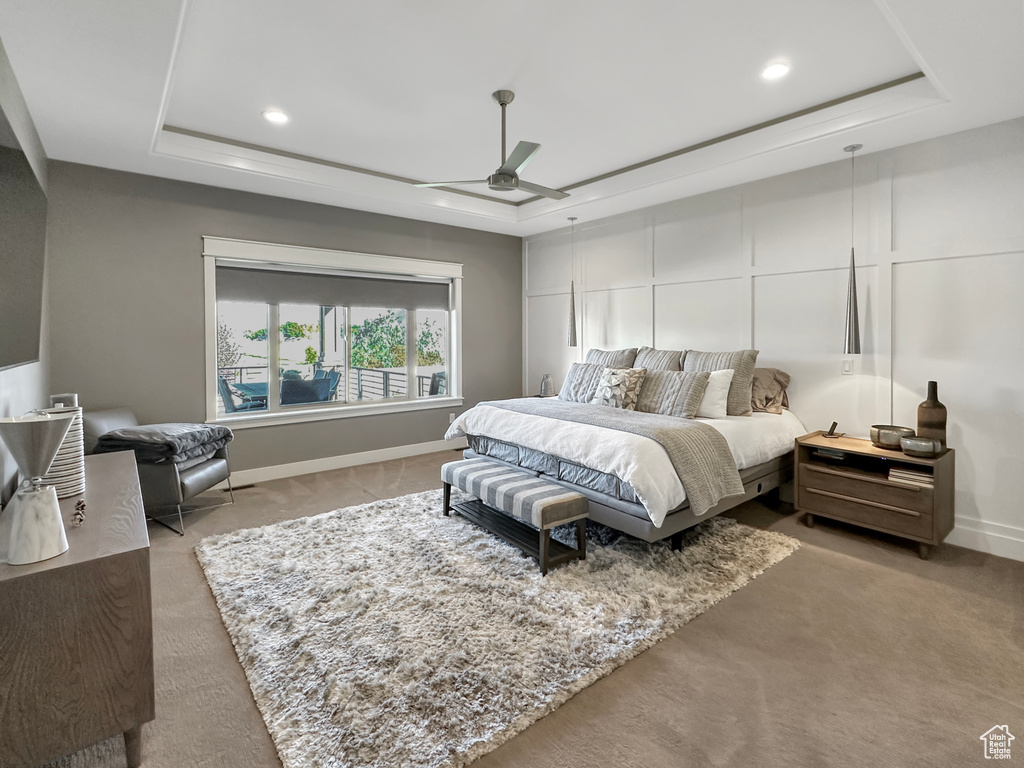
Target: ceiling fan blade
521, 155
554, 194
449, 183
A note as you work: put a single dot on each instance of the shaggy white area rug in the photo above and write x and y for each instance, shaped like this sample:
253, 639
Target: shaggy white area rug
389, 635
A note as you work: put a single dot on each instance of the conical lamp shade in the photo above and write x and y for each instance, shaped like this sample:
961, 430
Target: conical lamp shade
572, 314
852, 345
34, 440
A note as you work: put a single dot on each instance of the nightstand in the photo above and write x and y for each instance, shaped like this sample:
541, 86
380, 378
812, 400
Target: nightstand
851, 480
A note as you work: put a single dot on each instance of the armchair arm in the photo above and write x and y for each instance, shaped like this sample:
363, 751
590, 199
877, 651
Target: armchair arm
161, 484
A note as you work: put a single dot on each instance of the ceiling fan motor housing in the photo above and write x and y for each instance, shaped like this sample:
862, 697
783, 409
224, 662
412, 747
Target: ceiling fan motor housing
503, 182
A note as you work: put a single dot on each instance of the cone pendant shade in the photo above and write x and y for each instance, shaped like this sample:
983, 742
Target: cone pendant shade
852, 345
572, 284
572, 314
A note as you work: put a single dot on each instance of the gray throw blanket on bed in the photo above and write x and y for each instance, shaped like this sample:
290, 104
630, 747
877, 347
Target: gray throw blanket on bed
698, 452
156, 443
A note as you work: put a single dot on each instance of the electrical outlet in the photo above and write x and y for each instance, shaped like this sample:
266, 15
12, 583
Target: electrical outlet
451, 418
847, 367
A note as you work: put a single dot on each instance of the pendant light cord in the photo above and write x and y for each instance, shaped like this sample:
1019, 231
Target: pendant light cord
853, 181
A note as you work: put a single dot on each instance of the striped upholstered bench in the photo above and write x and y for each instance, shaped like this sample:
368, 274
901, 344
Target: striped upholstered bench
519, 507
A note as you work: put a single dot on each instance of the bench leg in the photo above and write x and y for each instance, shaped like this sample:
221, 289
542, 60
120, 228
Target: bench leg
447, 488
581, 537
545, 539
676, 541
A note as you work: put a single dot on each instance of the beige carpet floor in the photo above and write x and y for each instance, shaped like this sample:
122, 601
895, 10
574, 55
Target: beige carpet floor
851, 652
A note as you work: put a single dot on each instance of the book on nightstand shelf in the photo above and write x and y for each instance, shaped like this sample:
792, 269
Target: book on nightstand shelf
911, 477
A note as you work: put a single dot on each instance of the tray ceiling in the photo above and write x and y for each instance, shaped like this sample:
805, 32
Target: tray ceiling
402, 89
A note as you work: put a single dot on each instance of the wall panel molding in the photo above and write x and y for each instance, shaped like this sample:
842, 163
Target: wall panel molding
765, 263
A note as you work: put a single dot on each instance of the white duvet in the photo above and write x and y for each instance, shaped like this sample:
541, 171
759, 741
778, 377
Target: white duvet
638, 460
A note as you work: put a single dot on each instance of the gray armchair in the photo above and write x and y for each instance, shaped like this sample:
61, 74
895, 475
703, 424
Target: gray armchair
166, 484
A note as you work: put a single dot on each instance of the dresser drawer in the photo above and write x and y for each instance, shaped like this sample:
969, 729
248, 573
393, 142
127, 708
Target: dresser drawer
905, 523
862, 486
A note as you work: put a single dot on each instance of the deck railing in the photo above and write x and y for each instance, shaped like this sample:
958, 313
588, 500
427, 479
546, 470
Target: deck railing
363, 383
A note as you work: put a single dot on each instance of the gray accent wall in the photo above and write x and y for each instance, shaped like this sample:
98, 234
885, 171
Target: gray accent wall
24, 387
127, 315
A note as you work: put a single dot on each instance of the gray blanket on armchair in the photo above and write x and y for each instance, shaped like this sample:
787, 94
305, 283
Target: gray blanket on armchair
698, 452
156, 443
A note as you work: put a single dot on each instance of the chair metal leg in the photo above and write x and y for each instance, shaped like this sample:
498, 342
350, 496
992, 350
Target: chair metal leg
231, 490
180, 530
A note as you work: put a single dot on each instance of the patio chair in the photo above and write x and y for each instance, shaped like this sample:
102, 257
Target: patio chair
438, 384
333, 377
229, 400
297, 391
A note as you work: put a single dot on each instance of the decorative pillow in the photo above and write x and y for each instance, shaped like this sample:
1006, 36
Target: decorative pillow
612, 358
619, 387
768, 392
673, 393
658, 359
581, 382
716, 395
742, 362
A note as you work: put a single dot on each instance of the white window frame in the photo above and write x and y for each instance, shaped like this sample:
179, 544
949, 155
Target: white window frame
231, 252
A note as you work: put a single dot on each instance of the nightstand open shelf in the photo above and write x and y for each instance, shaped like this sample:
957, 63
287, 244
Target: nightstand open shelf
851, 480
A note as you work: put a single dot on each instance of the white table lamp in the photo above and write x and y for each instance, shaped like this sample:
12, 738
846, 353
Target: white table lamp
37, 531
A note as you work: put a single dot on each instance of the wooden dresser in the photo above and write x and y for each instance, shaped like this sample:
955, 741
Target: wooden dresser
849, 479
76, 631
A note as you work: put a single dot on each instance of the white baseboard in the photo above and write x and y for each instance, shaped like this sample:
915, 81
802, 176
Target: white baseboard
983, 536
277, 471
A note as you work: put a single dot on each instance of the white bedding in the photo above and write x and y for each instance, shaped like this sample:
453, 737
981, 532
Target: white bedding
638, 460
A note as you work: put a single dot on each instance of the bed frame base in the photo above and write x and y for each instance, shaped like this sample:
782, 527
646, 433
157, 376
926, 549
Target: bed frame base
763, 479
776, 473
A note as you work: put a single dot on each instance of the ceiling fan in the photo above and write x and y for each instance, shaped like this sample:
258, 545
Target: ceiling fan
506, 178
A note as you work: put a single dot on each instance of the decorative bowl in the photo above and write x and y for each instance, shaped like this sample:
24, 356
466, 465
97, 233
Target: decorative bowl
888, 435
922, 447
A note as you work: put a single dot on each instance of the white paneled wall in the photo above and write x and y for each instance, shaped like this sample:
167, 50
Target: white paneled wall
959, 322
681, 312
939, 232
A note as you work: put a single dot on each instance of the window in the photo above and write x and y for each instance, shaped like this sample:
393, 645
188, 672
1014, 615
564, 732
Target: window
296, 334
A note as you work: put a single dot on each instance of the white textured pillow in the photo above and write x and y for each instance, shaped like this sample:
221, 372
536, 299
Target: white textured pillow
620, 387
716, 395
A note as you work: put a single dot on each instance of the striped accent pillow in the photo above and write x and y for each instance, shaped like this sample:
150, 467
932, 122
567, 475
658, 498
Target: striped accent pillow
673, 393
658, 359
581, 382
741, 362
612, 358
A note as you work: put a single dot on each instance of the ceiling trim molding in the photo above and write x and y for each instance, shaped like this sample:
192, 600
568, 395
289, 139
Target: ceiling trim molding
736, 134
575, 185
320, 161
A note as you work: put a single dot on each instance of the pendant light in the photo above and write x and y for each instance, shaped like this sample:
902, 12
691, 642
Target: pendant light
852, 343
572, 285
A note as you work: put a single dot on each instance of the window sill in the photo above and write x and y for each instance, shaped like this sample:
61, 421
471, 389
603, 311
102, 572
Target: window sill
299, 415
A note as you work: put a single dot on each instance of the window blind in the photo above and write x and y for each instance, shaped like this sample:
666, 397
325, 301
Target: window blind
277, 286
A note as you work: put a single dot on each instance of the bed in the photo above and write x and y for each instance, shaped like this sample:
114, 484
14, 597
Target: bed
630, 480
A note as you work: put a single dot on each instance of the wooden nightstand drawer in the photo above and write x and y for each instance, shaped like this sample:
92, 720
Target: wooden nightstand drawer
848, 479
878, 515
863, 486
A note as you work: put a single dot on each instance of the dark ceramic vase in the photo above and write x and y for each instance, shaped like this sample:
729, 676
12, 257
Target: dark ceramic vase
931, 416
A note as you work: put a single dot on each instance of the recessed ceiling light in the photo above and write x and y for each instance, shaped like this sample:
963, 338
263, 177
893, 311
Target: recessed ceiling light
775, 70
275, 116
